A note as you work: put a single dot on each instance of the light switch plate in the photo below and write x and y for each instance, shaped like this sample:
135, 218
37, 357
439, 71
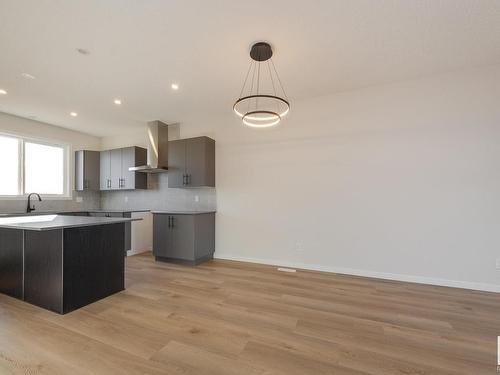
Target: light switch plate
196, 198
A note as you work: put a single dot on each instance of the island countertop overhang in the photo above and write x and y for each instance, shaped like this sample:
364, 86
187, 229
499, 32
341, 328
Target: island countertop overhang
51, 222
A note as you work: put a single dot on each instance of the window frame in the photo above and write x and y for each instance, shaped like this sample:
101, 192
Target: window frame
67, 191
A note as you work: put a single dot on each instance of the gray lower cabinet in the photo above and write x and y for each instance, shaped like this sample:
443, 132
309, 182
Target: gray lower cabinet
114, 169
184, 238
191, 162
87, 170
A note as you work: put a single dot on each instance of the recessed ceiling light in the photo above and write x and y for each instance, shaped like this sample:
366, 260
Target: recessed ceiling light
117, 101
28, 76
83, 51
174, 86
73, 114
3, 92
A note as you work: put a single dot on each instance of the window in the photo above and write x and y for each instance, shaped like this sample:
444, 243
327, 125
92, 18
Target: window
32, 166
9, 165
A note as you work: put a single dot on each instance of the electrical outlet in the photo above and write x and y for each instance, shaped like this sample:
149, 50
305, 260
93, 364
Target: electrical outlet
498, 263
196, 198
298, 247
126, 198
79, 199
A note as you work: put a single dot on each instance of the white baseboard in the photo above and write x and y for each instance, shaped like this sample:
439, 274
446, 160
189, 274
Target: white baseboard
136, 251
379, 275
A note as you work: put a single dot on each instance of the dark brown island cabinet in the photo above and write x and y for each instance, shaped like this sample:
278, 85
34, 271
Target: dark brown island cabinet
183, 237
62, 263
191, 163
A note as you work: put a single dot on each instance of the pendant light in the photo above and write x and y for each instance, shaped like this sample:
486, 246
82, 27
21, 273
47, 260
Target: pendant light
263, 101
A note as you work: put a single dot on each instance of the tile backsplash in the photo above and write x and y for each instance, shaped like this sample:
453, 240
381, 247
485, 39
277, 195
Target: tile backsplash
158, 196
90, 200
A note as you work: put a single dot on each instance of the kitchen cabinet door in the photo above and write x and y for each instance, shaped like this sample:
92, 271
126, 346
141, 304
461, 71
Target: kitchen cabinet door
105, 170
176, 163
79, 175
128, 160
116, 168
182, 234
200, 162
87, 170
133, 157
162, 236
91, 166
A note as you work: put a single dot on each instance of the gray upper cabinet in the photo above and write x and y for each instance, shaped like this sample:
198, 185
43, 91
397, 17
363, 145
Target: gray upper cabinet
87, 170
191, 162
114, 169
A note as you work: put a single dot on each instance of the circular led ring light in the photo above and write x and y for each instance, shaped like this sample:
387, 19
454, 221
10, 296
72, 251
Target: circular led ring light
256, 109
279, 100
271, 119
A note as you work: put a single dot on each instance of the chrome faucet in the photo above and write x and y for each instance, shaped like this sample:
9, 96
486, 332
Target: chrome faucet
29, 208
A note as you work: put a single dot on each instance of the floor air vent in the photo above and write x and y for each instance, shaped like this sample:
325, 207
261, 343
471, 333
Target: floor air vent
291, 270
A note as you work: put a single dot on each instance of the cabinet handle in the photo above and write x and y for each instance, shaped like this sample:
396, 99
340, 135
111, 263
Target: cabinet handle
109, 183
183, 179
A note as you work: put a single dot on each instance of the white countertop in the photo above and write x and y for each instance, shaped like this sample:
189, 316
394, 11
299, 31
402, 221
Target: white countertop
49, 222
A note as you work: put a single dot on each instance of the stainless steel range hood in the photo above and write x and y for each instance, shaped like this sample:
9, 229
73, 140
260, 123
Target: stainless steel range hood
157, 133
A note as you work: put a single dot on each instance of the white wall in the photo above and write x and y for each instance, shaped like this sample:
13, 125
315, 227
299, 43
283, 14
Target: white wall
30, 128
399, 181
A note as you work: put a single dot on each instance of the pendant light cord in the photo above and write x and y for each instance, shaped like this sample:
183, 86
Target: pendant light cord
279, 80
253, 80
246, 78
274, 87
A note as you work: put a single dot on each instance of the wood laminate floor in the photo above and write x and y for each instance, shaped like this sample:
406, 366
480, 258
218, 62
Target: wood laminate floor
227, 317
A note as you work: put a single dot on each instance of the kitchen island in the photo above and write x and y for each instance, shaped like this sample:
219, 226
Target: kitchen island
62, 263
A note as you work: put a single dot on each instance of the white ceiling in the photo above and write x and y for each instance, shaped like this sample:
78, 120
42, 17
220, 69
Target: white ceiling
138, 48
